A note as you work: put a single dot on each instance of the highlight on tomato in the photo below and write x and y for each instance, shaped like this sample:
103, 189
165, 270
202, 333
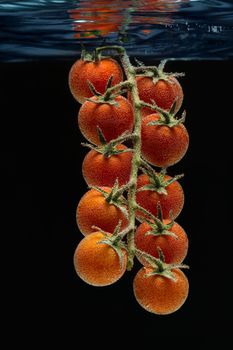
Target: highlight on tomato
154, 188
98, 261
160, 288
165, 140
94, 70
98, 207
167, 235
113, 116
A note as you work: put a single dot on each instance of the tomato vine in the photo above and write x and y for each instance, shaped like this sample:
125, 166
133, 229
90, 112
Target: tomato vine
124, 240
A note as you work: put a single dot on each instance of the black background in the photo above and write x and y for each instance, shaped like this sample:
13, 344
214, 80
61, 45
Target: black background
41, 161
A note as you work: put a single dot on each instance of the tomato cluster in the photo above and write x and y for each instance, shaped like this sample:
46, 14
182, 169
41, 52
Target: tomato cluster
107, 119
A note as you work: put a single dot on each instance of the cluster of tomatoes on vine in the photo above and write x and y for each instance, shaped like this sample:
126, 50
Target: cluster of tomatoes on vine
106, 119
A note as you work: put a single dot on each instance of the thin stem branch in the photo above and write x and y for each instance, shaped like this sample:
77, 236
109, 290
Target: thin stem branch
154, 107
121, 190
146, 212
146, 68
122, 138
147, 166
119, 86
119, 49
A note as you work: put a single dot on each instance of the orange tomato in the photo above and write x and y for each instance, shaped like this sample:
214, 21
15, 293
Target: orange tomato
163, 92
162, 145
98, 73
173, 200
113, 120
99, 170
98, 263
159, 294
94, 210
173, 248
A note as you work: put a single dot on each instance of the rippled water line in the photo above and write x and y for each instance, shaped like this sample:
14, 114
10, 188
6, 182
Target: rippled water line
55, 29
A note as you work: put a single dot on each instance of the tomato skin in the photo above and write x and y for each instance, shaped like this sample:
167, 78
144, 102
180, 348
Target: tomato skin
98, 73
94, 210
173, 200
174, 249
158, 294
163, 92
96, 263
100, 171
162, 145
111, 119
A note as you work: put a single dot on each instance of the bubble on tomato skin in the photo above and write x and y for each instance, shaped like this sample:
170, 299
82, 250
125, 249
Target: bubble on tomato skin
93, 283
174, 200
163, 146
93, 210
100, 171
174, 248
111, 120
98, 264
95, 72
164, 93
160, 304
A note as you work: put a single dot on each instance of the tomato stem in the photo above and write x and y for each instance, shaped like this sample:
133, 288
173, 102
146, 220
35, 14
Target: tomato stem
146, 68
136, 160
108, 93
159, 267
119, 49
145, 211
167, 117
131, 187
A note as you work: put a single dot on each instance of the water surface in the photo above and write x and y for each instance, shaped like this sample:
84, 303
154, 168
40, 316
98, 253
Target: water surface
180, 29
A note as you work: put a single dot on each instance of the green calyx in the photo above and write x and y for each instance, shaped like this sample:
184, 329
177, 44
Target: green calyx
158, 265
157, 227
87, 56
110, 148
167, 118
108, 97
111, 92
96, 55
158, 183
115, 196
156, 72
91, 56
115, 240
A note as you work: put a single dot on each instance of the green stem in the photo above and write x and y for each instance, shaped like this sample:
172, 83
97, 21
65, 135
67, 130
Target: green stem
121, 190
122, 138
149, 214
152, 106
119, 49
156, 108
147, 166
153, 69
109, 91
136, 160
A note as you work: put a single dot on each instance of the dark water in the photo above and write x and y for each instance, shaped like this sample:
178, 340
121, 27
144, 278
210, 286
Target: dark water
41, 160
180, 29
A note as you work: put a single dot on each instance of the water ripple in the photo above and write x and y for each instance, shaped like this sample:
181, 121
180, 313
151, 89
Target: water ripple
181, 29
